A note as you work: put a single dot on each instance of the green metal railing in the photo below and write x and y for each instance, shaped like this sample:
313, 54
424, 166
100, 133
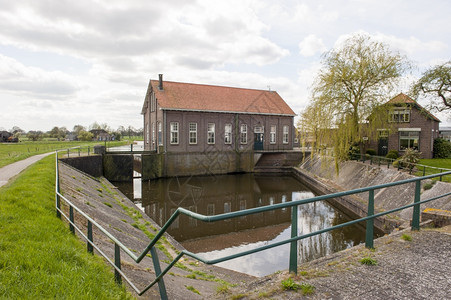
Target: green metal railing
420, 170
293, 261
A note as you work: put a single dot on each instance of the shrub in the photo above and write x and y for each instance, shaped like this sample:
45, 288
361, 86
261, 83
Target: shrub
442, 148
393, 154
371, 151
410, 158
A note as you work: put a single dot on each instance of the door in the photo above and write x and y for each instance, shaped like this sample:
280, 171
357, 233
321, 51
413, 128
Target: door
382, 146
258, 141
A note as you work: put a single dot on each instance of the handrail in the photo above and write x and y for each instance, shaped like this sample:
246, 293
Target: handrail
293, 204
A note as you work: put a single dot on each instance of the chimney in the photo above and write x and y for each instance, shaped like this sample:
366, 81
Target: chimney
160, 85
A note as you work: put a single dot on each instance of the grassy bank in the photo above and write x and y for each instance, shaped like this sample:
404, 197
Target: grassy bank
444, 163
12, 152
39, 258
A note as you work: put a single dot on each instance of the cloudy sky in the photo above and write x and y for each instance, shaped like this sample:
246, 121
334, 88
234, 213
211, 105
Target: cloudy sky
64, 63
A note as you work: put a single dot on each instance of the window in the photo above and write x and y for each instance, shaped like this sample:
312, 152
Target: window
153, 102
243, 134
147, 133
160, 134
228, 134
399, 116
193, 133
383, 133
227, 207
211, 133
272, 134
174, 132
409, 139
285, 134
210, 209
153, 132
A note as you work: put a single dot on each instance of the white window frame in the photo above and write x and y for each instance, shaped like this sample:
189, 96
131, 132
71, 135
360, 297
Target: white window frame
228, 134
399, 116
211, 133
243, 134
174, 133
286, 133
160, 134
192, 133
272, 134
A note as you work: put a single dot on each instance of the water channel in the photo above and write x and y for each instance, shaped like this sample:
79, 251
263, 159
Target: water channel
212, 195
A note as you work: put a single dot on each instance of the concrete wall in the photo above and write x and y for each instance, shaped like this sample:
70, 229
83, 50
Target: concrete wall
118, 167
92, 165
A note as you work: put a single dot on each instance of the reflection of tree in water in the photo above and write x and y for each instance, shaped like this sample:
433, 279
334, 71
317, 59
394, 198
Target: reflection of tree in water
317, 216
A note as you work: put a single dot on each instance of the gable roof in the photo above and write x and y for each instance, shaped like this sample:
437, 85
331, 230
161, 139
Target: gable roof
404, 99
211, 98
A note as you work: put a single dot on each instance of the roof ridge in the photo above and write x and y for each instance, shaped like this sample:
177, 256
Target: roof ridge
213, 85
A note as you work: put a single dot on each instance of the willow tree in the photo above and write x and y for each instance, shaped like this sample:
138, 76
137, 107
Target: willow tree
352, 84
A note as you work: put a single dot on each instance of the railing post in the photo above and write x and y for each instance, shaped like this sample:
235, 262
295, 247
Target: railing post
67, 153
71, 218
294, 245
441, 171
424, 170
58, 191
90, 240
89, 148
117, 263
156, 266
370, 222
416, 208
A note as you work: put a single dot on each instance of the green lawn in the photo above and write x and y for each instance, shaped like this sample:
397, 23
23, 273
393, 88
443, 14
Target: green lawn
444, 163
39, 257
12, 152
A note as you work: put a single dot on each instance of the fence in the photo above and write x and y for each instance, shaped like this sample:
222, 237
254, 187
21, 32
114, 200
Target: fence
416, 169
369, 219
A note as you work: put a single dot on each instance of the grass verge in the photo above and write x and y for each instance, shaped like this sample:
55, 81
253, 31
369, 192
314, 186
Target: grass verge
39, 258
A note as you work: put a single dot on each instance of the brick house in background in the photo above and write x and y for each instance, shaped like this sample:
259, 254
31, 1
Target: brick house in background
409, 126
186, 117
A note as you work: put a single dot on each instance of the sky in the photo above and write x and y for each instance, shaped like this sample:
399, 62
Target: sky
64, 63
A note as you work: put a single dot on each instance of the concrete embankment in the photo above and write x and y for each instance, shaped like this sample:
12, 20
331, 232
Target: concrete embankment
352, 175
115, 212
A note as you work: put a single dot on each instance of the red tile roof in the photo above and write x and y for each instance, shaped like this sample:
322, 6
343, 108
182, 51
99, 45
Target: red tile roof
404, 99
198, 97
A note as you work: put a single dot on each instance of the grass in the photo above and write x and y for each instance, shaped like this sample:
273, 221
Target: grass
290, 284
444, 163
39, 257
369, 261
12, 152
406, 237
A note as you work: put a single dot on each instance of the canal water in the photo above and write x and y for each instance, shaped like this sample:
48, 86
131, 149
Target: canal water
212, 195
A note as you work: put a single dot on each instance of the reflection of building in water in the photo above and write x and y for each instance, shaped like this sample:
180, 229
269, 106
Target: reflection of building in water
316, 216
218, 195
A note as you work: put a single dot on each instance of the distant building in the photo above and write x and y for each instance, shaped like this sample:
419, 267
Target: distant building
410, 126
445, 133
186, 117
101, 135
6, 136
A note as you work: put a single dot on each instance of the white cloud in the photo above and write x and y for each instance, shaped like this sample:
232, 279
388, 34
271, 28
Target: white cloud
87, 52
311, 45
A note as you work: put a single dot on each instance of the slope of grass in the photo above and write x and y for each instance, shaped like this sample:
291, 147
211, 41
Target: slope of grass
39, 258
